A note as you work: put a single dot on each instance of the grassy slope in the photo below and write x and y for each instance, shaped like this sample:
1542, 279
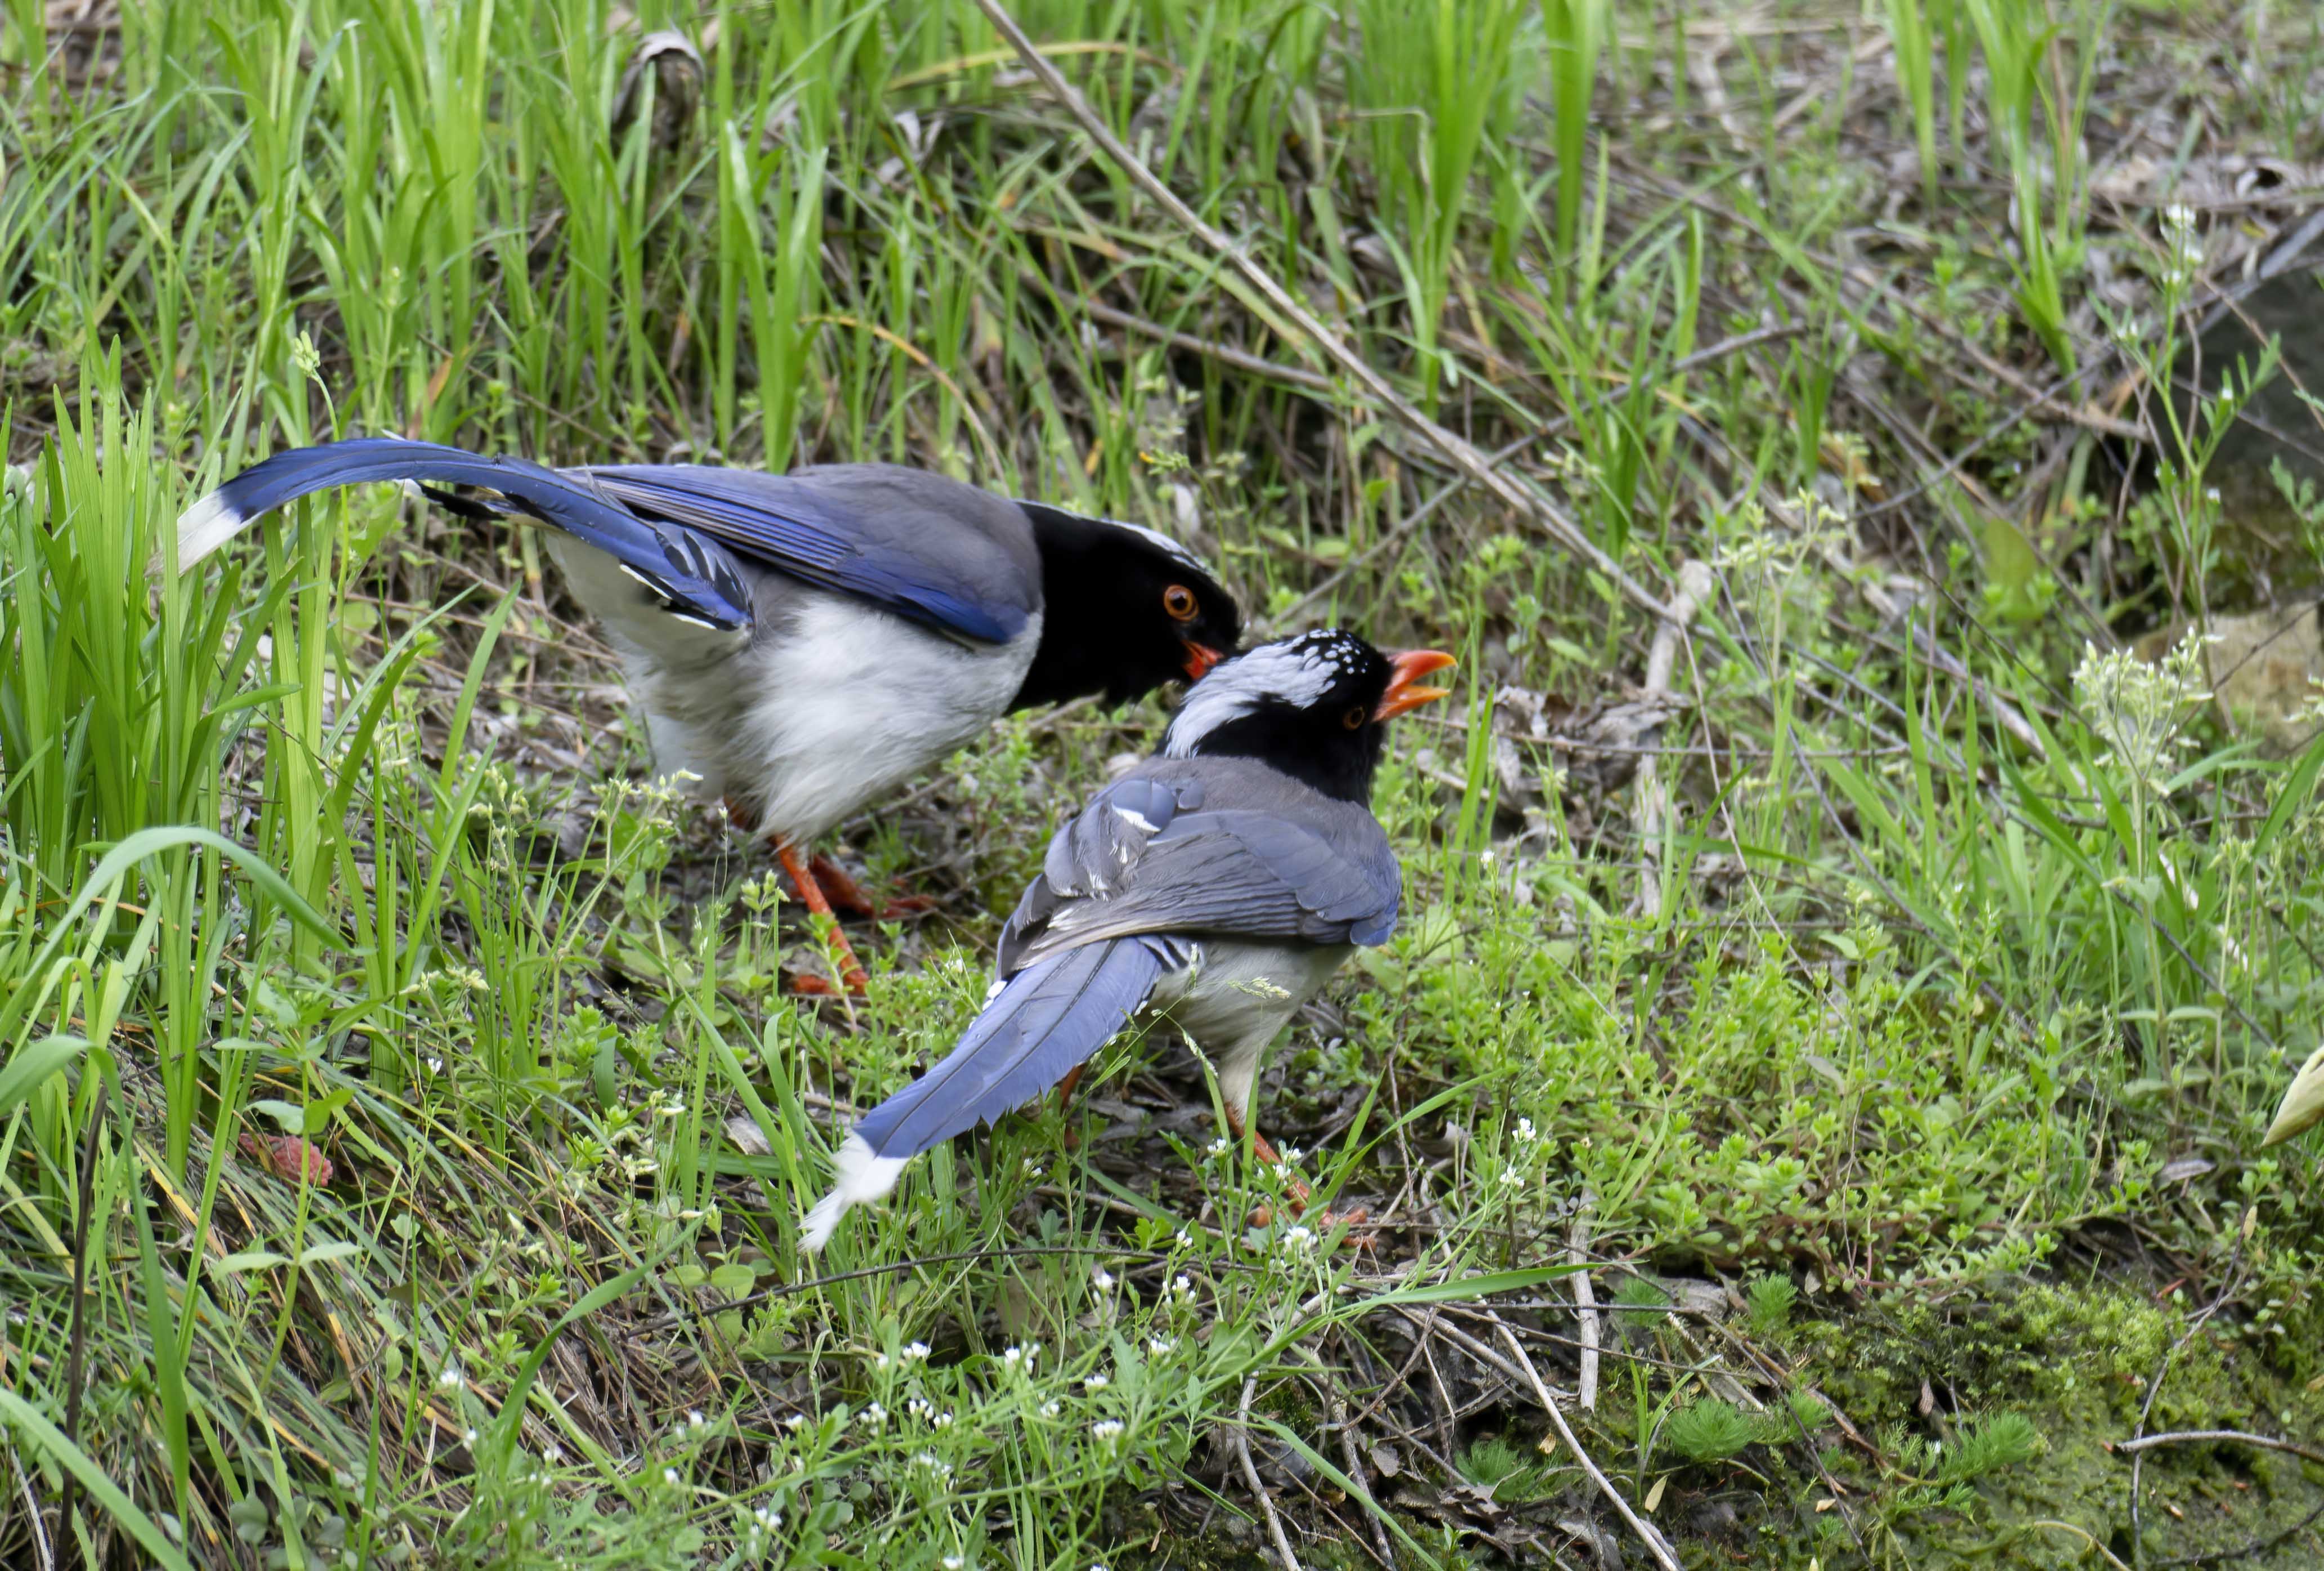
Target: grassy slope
1923, 1053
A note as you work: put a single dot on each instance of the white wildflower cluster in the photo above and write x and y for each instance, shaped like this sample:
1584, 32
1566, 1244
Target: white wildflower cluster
1181, 1290
873, 1415
1106, 1431
1299, 1238
935, 1466
451, 1378
1218, 1148
1096, 1382
1161, 1346
2139, 708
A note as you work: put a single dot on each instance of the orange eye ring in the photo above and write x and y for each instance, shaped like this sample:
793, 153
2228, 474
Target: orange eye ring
1355, 718
1179, 601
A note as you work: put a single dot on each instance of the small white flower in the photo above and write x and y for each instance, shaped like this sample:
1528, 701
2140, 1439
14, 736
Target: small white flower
669, 1476
955, 1562
880, 1360
1526, 1131
941, 1421
1032, 1169
1050, 1410
796, 1421
694, 1420
1511, 1178
1292, 1153
1220, 1146
768, 1517
1161, 1346
451, 1380
1107, 1429
468, 1436
874, 1415
552, 1453
1182, 1286
1299, 1235
915, 1352
1102, 1279
1183, 1239
918, 1408
1098, 1382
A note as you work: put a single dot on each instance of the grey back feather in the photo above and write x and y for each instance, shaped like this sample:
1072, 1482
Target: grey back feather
1222, 845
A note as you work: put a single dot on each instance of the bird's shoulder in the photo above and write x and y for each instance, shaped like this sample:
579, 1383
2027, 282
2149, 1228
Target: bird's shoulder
1210, 845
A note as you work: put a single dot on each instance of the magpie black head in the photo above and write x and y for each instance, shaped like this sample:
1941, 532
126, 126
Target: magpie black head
1123, 610
1314, 706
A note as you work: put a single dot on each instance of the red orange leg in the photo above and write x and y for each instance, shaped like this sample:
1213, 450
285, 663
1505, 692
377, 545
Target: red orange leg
1295, 1192
1065, 1100
851, 971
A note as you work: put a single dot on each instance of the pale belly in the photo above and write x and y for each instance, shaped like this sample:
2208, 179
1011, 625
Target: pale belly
832, 705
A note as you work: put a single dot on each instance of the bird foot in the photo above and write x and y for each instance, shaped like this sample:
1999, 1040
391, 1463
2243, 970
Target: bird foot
805, 984
839, 886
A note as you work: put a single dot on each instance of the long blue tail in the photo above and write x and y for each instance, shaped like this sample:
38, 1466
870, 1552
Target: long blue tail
694, 574
1049, 1017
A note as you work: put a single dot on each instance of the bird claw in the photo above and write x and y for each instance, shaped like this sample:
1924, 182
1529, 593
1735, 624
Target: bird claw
804, 985
840, 888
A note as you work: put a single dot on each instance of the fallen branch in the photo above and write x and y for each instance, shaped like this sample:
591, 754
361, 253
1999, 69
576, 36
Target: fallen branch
1463, 455
1585, 1298
1251, 1476
1656, 1545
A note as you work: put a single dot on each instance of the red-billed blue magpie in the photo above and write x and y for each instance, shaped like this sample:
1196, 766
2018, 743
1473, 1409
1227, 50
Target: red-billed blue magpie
801, 643
1218, 884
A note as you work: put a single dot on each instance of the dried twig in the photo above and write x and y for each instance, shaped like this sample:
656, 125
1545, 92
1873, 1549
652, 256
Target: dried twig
32, 1512
1250, 1477
2242, 1437
1695, 585
1585, 1298
1463, 455
1656, 1545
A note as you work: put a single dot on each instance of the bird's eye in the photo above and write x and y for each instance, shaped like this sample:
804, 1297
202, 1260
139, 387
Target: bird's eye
1179, 601
1355, 718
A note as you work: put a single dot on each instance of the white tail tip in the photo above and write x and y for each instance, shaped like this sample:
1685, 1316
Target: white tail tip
205, 526
858, 1175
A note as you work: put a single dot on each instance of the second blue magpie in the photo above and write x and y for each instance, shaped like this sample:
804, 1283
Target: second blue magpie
1220, 884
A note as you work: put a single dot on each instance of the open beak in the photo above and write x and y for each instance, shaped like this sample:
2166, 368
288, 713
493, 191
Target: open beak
1199, 659
1404, 670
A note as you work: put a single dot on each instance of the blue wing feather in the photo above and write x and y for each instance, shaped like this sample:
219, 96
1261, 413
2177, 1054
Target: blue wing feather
824, 538
1046, 1018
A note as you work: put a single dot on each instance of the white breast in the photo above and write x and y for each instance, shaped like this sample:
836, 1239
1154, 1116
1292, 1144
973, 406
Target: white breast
812, 718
